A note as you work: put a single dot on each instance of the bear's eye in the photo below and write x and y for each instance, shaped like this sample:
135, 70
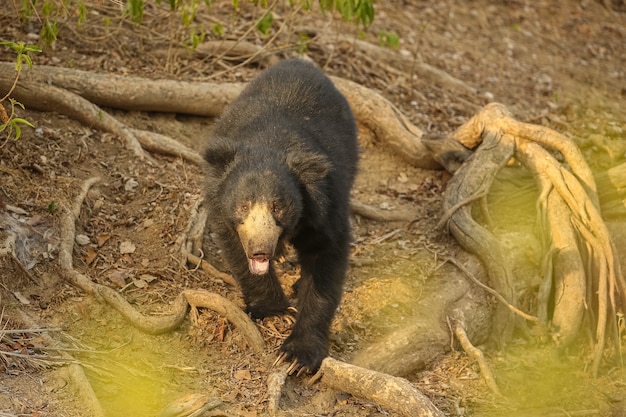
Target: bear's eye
243, 208
276, 207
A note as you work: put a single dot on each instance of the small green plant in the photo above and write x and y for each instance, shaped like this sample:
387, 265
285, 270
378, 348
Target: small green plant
12, 126
389, 39
8, 121
135, 9
53, 207
195, 39
359, 12
265, 24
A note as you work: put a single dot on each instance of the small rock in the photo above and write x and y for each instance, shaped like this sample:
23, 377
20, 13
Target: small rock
82, 240
127, 247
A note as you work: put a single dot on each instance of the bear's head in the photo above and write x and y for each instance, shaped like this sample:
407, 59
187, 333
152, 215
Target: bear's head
262, 194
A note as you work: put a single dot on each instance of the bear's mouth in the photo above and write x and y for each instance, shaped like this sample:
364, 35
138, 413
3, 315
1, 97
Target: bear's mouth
259, 265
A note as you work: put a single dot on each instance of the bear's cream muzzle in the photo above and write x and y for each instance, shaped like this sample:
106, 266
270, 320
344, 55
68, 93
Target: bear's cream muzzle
259, 236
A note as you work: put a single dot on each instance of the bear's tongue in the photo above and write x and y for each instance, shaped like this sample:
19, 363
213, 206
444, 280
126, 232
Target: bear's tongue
259, 266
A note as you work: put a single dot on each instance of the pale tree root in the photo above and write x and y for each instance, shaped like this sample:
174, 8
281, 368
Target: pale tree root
191, 405
476, 354
392, 393
275, 382
46, 97
190, 243
425, 335
200, 98
149, 324
470, 182
584, 274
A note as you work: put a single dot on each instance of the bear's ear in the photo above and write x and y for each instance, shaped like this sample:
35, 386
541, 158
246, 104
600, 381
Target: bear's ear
310, 167
220, 154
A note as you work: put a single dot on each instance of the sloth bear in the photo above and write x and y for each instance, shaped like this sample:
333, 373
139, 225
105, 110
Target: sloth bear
282, 159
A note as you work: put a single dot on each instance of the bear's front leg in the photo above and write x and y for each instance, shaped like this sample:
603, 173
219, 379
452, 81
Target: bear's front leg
319, 293
263, 294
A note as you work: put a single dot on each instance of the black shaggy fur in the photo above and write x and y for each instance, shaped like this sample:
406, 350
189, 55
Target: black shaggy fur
288, 141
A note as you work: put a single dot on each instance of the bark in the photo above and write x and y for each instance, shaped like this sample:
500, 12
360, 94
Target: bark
470, 183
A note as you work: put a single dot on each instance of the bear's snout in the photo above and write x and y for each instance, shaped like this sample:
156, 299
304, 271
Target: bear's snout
259, 234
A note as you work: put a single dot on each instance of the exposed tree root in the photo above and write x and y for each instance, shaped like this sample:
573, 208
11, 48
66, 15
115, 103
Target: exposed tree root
275, 382
373, 213
477, 355
164, 145
393, 393
198, 98
191, 243
406, 64
586, 279
192, 405
235, 50
472, 179
129, 93
389, 125
425, 335
44, 97
149, 324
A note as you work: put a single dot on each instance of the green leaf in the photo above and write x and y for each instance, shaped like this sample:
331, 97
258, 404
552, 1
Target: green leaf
389, 39
217, 29
135, 9
18, 132
19, 120
32, 48
82, 12
265, 24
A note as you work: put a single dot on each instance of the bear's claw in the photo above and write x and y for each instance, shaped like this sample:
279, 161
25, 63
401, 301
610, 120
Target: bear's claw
293, 366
